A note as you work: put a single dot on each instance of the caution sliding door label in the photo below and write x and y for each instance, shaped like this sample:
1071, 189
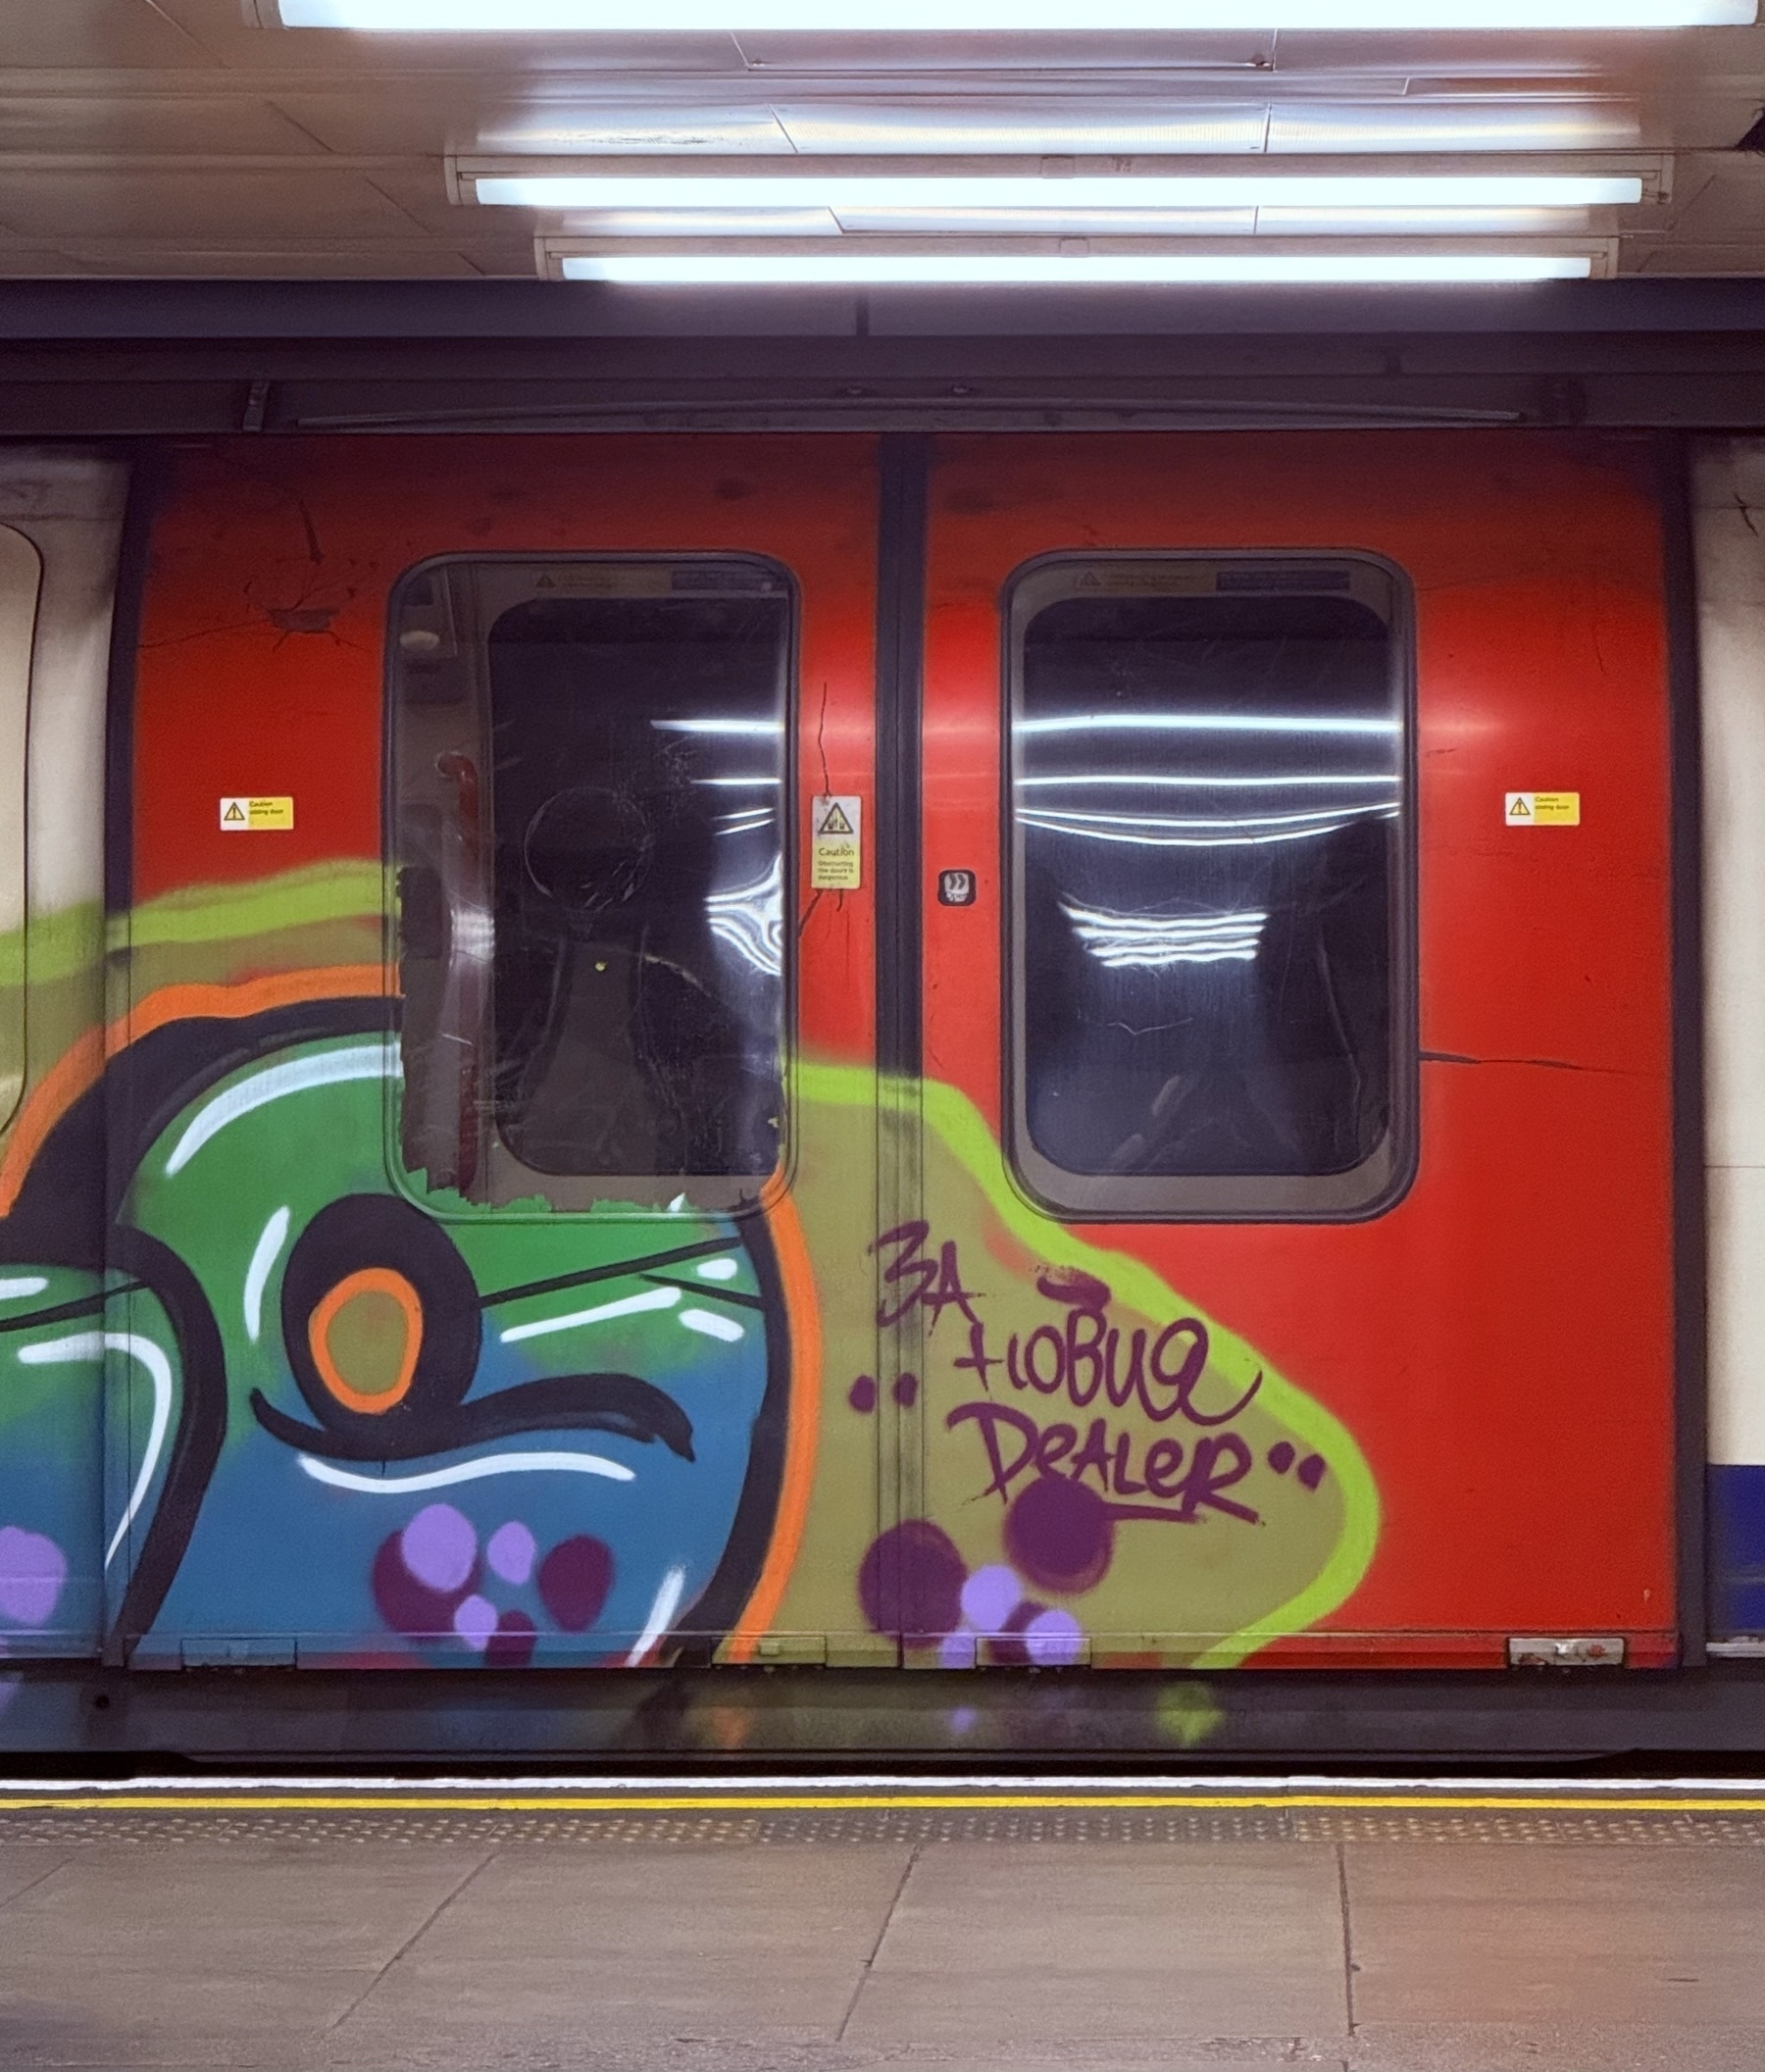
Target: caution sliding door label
1542, 809
835, 843
256, 815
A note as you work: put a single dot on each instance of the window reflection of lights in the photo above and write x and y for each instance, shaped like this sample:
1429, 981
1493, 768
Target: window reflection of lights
1138, 780
471, 934
750, 919
747, 823
1205, 723
750, 726
1050, 824
1333, 814
730, 783
1155, 941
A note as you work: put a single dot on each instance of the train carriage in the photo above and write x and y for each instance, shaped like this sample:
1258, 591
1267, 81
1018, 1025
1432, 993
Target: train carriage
980, 1058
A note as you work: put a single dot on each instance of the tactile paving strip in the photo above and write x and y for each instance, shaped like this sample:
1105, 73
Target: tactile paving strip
849, 1827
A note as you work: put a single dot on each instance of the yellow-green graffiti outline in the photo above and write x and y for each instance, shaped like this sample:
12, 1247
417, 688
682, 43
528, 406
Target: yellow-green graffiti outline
965, 1133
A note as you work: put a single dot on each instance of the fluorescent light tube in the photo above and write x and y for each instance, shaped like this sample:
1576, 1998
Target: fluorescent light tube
1082, 270
707, 223
1129, 222
1027, 125
874, 193
1014, 17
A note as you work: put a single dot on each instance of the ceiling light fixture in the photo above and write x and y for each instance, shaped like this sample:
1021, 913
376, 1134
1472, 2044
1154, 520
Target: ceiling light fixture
838, 269
1015, 18
872, 194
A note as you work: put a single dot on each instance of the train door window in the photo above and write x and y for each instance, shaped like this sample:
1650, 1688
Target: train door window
1212, 996
21, 582
591, 764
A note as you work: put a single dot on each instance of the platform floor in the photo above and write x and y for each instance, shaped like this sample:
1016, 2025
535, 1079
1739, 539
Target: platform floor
788, 1929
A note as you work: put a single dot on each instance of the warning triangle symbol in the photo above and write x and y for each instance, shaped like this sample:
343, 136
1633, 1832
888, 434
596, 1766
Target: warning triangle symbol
234, 811
545, 584
1091, 581
836, 821
1520, 810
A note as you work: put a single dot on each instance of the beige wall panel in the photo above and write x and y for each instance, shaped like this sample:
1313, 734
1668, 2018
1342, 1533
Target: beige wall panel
82, 33
93, 124
138, 202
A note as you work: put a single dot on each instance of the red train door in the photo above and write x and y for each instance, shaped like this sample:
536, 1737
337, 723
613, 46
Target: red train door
1293, 1264
495, 1087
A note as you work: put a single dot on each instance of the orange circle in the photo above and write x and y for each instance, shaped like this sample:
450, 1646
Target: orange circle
370, 1281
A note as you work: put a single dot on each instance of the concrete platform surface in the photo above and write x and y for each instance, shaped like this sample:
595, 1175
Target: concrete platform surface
404, 1931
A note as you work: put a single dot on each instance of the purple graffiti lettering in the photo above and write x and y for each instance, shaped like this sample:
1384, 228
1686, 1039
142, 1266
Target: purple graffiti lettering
933, 1284
978, 1360
1119, 1479
1164, 1457
1047, 1373
1069, 1284
992, 1419
1221, 1460
1056, 1443
1093, 1456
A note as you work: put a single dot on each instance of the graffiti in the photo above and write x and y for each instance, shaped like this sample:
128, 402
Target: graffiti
346, 1418
259, 1399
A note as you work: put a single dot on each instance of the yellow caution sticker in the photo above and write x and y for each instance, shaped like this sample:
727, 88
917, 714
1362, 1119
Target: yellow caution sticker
835, 843
256, 815
1542, 809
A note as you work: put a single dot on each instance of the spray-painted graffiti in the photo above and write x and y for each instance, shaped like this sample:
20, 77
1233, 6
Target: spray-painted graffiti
260, 1400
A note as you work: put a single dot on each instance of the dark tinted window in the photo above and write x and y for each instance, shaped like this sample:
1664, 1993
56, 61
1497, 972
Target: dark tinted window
594, 905
1207, 793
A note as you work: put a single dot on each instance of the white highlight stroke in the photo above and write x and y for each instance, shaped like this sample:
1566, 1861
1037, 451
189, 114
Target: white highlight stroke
625, 1306
712, 1326
93, 1345
666, 1604
16, 1290
362, 1061
264, 1256
467, 1471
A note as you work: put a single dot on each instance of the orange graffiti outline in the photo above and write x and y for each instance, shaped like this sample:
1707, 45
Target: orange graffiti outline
802, 1431
78, 1067
369, 1281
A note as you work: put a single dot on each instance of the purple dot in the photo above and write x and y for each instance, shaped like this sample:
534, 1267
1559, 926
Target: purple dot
963, 1719
510, 1551
32, 1571
1280, 1456
575, 1579
990, 1596
1009, 1648
1053, 1639
1311, 1470
1059, 1535
862, 1394
906, 1390
405, 1605
511, 1645
439, 1548
474, 1622
910, 1581
956, 1650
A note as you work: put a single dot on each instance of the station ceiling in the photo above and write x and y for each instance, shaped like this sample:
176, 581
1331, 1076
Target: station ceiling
201, 139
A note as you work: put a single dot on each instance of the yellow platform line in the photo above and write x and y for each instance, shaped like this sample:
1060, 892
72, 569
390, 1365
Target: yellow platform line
859, 1803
